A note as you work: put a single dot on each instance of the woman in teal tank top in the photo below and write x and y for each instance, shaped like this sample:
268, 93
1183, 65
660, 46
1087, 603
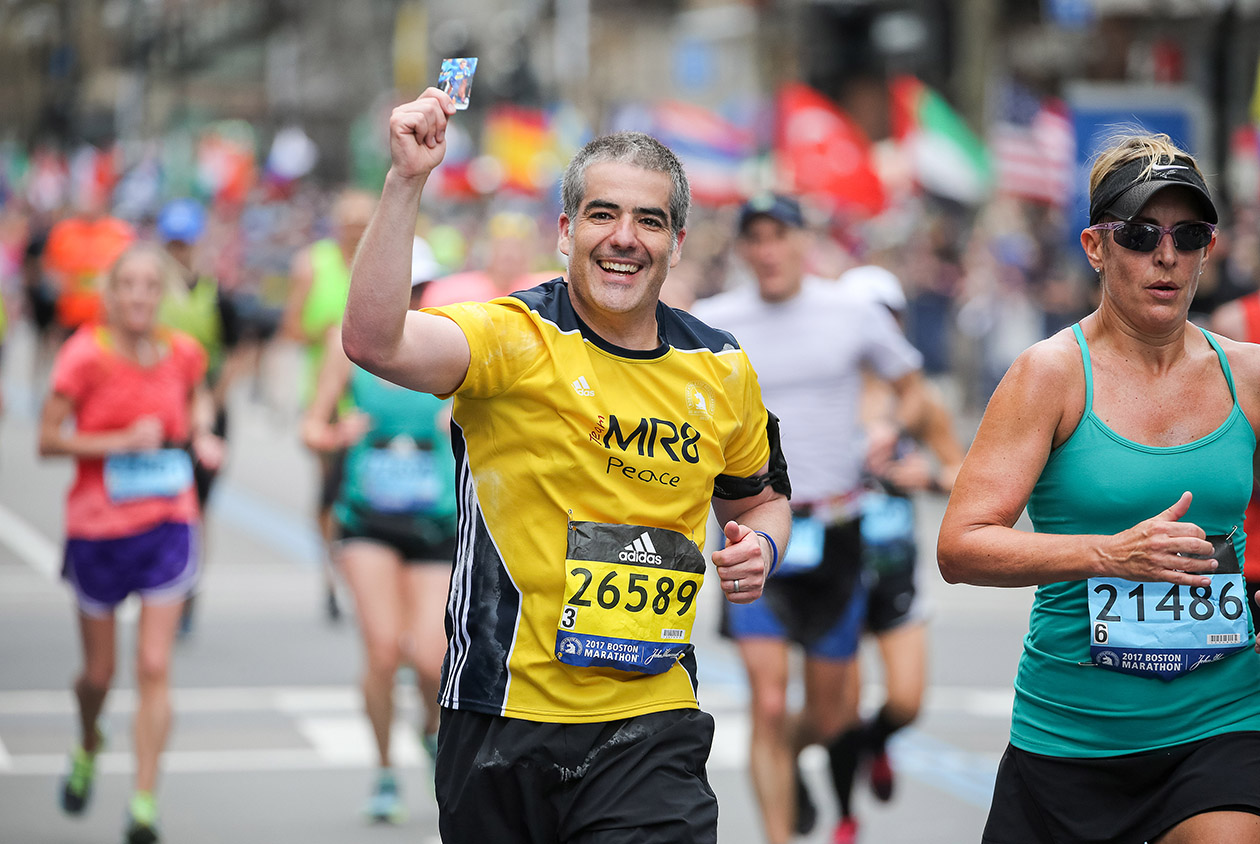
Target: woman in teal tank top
1131, 439
396, 522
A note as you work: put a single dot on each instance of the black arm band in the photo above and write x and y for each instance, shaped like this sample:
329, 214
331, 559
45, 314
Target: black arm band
730, 487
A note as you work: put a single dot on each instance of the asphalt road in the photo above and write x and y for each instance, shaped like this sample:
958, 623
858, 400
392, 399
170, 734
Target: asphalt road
269, 743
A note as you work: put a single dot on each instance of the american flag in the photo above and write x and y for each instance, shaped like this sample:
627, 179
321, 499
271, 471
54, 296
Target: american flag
1034, 146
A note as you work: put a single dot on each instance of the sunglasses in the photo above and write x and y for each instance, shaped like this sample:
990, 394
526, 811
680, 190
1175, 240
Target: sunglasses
1144, 237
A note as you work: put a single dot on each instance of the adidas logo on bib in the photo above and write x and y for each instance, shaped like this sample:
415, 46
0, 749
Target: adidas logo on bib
640, 551
581, 387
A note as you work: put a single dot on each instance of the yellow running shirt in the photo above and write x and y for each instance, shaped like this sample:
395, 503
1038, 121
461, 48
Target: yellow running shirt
586, 474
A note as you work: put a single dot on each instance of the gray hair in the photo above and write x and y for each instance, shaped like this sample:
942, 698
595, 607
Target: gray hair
629, 148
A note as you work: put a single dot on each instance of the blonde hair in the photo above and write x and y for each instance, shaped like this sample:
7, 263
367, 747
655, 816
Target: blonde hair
1131, 143
170, 270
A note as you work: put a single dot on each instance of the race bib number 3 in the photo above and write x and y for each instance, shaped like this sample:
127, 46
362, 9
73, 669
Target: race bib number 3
1166, 629
629, 597
164, 473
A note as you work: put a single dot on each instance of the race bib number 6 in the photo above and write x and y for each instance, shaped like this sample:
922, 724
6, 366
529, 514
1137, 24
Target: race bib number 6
1167, 629
629, 597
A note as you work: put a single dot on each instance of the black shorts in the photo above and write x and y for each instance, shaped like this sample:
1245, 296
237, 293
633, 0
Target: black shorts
809, 605
891, 593
203, 476
1127, 799
332, 469
637, 780
415, 540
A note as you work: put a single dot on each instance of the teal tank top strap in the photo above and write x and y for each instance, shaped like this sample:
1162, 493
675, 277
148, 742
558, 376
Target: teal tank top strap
1220, 353
1089, 370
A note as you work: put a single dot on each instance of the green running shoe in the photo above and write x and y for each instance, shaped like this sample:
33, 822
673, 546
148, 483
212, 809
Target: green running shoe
383, 804
142, 819
76, 786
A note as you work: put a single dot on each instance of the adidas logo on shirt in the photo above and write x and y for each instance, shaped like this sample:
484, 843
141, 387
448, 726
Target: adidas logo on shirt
581, 387
640, 551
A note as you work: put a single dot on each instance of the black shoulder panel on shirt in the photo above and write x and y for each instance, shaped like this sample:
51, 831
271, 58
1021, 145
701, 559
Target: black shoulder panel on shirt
679, 329
550, 300
683, 331
730, 487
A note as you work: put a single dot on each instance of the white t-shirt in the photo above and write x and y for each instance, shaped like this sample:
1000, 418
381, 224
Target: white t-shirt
809, 352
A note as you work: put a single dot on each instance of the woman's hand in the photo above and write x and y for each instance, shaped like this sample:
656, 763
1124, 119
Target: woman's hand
1162, 548
145, 434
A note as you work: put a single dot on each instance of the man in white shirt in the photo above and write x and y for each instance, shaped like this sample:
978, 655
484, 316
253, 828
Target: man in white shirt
810, 342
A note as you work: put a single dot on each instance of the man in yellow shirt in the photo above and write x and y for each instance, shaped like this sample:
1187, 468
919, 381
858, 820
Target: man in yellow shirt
593, 428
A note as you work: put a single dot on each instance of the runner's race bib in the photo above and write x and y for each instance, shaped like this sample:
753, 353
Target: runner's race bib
805, 551
887, 531
629, 597
400, 477
163, 473
1166, 629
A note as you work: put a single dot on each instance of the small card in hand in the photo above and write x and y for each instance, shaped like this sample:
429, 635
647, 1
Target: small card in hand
456, 79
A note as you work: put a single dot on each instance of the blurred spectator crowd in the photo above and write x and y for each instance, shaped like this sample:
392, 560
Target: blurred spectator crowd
983, 279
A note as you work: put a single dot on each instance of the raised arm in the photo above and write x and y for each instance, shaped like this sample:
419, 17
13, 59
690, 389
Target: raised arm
978, 543
421, 351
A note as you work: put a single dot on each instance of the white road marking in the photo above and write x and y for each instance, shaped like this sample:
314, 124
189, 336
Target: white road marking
347, 741
336, 735
32, 547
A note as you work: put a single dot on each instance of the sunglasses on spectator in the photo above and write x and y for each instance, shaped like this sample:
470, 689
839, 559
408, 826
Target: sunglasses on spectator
1144, 237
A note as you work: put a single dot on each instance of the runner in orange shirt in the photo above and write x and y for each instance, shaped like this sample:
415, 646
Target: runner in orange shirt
79, 250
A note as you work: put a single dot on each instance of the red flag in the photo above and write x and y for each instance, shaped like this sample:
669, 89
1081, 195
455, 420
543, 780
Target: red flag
821, 152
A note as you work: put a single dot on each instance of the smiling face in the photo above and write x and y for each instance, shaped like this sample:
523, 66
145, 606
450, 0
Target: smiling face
1151, 289
620, 249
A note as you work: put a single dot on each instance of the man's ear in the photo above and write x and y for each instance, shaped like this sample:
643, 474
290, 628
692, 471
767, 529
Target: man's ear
677, 253
562, 240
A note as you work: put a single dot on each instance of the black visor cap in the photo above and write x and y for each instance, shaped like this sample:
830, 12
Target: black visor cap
1124, 191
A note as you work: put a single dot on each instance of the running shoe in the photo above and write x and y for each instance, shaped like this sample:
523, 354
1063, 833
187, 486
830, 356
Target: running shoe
76, 786
806, 809
881, 774
383, 804
142, 819
846, 831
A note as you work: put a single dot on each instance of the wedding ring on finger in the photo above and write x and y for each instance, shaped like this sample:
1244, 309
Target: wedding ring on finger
736, 589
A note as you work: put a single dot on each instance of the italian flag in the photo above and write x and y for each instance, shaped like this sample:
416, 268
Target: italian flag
946, 157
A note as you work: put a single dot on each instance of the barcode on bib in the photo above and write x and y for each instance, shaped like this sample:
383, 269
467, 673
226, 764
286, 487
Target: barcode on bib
674, 634
1224, 638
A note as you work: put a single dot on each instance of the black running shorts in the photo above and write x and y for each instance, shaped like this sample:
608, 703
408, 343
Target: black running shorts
809, 605
638, 780
1127, 799
891, 599
332, 470
416, 540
